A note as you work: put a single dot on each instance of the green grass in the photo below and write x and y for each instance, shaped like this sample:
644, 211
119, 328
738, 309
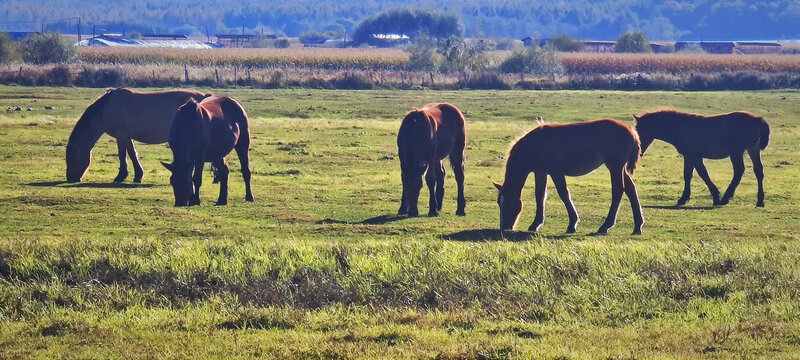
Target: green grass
319, 267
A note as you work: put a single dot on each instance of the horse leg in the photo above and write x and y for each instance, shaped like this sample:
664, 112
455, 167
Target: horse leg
403, 204
701, 170
138, 172
738, 170
197, 180
541, 195
688, 171
563, 193
617, 188
633, 196
243, 152
457, 163
222, 175
440, 186
123, 162
758, 169
430, 180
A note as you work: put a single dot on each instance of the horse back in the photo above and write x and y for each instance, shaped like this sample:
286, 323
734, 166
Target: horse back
449, 128
226, 123
144, 116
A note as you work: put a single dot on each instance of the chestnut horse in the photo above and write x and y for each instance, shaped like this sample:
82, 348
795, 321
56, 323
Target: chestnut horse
427, 136
570, 150
714, 137
125, 115
207, 132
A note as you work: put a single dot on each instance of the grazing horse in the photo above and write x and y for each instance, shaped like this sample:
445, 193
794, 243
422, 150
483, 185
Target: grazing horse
570, 150
426, 137
206, 132
714, 137
126, 115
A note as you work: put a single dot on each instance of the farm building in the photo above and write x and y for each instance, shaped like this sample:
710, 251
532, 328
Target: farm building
314, 41
388, 40
238, 40
733, 47
118, 40
600, 46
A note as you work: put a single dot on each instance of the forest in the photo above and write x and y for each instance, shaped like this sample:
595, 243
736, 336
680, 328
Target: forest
586, 19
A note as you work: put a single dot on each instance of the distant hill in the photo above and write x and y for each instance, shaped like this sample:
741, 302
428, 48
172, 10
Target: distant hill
600, 20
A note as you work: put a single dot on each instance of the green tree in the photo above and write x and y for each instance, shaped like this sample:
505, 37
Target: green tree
566, 43
463, 57
310, 35
632, 42
411, 22
282, 43
422, 55
46, 48
8, 49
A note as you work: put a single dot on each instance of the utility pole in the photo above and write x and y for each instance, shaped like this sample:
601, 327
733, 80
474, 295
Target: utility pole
79, 29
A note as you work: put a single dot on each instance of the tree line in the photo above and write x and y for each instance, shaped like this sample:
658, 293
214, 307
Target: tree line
587, 19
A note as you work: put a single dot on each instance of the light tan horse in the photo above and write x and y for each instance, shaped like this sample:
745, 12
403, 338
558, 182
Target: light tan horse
570, 150
125, 115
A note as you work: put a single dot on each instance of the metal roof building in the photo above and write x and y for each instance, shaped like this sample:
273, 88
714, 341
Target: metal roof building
121, 41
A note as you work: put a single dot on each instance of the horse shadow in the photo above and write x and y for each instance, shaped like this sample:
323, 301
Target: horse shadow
481, 235
377, 220
89, 185
676, 207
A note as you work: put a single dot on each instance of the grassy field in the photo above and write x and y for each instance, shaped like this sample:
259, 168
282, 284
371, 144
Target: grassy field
320, 267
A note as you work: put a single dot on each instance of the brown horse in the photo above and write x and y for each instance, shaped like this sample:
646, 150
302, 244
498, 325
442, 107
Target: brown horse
207, 132
426, 137
570, 150
714, 137
126, 115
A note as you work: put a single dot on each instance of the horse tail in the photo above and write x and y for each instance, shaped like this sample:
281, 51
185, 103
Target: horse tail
763, 134
636, 153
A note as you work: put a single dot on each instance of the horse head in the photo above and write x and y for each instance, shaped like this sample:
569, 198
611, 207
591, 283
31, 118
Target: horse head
181, 181
644, 128
78, 159
510, 208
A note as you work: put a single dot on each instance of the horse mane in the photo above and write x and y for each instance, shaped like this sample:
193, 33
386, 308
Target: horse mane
539, 124
91, 113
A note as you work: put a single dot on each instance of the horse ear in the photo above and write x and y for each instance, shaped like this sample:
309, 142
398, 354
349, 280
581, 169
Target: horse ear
636, 118
498, 186
167, 165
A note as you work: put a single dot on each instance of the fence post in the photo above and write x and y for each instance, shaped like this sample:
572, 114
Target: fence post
216, 74
186, 73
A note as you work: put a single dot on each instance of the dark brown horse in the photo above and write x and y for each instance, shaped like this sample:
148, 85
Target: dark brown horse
714, 137
207, 132
427, 136
570, 150
126, 115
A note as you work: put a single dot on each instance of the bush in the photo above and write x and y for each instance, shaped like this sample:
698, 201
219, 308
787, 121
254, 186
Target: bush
311, 36
566, 43
422, 55
282, 43
533, 60
60, 75
487, 81
8, 49
47, 48
632, 42
108, 77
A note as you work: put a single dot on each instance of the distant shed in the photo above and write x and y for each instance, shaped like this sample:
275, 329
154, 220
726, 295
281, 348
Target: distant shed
233, 40
117, 40
599, 46
757, 47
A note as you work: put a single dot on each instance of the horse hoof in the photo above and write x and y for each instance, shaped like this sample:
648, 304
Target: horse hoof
137, 181
461, 213
219, 203
118, 180
413, 214
433, 214
249, 198
682, 202
760, 204
571, 230
723, 202
637, 231
534, 228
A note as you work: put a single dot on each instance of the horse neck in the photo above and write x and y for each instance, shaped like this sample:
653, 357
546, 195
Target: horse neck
87, 131
516, 175
667, 129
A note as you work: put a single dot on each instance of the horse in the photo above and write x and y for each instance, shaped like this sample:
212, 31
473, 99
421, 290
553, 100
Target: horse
125, 115
713, 137
206, 132
426, 137
570, 150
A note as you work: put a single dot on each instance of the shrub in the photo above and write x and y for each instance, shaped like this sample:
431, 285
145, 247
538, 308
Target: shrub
422, 55
487, 81
107, 77
566, 43
533, 60
8, 49
632, 42
46, 49
60, 75
282, 43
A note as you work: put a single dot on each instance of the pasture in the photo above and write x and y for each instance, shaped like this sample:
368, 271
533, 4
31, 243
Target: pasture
319, 266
